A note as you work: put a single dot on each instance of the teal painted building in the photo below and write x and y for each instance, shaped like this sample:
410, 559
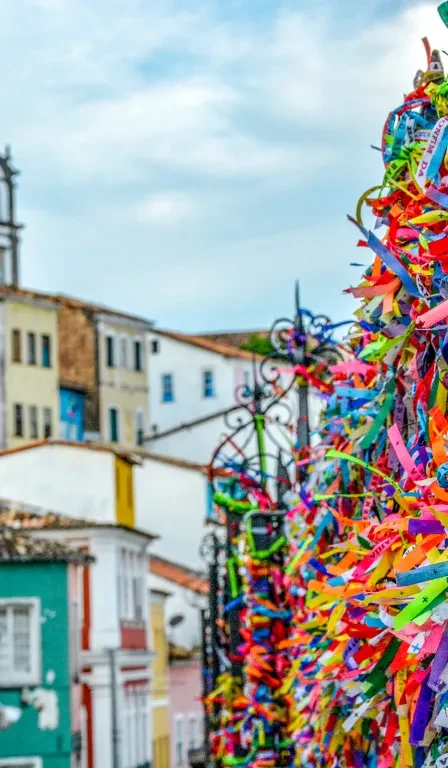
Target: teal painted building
39, 650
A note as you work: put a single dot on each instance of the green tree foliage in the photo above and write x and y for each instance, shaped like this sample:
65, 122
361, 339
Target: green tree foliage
259, 344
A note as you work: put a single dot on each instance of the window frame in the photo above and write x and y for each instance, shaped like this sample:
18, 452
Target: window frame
46, 410
137, 343
140, 412
21, 762
165, 399
34, 677
123, 346
192, 731
16, 335
31, 337
212, 393
115, 408
33, 434
17, 433
179, 721
45, 337
247, 382
110, 338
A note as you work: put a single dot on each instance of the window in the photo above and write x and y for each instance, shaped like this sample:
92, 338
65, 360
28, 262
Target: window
33, 429
19, 643
139, 427
155, 347
16, 346
167, 388
32, 359
131, 586
247, 384
135, 727
124, 362
138, 362
110, 351
114, 426
48, 422
124, 585
179, 740
136, 589
46, 351
209, 386
192, 737
18, 420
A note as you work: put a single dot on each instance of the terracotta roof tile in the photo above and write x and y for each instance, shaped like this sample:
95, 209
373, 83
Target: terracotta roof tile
221, 348
34, 519
136, 457
69, 301
179, 574
235, 338
15, 546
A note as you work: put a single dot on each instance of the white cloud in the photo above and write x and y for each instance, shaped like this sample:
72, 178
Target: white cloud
346, 79
233, 129
165, 208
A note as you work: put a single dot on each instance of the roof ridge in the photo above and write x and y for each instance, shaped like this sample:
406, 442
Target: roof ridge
62, 298
56, 521
221, 348
135, 457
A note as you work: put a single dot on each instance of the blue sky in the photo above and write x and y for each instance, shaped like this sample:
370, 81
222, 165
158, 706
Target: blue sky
188, 160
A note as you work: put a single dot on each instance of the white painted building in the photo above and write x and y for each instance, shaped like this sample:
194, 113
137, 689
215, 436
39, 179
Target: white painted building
191, 377
193, 405
172, 500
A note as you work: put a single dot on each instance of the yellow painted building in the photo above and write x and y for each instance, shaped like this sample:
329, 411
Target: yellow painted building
160, 689
123, 380
30, 370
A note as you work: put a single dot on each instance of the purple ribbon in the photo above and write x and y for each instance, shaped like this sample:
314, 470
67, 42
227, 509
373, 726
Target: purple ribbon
421, 715
439, 662
425, 527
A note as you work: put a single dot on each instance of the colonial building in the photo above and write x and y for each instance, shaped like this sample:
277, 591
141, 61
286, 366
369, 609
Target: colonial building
40, 650
165, 496
92, 487
192, 378
71, 369
112, 614
186, 593
199, 387
29, 373
160, 685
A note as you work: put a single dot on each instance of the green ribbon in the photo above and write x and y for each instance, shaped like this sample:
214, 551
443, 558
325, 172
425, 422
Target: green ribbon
332, 454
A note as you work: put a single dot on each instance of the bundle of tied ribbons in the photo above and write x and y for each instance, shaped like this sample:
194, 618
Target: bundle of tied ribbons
367, 576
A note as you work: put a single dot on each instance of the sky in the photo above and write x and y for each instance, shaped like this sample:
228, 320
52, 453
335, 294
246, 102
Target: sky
188, 160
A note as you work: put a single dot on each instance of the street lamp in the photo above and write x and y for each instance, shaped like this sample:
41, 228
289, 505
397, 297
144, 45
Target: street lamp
250, 492
306, 342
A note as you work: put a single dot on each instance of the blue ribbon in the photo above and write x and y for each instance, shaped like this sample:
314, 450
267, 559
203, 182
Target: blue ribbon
392, 263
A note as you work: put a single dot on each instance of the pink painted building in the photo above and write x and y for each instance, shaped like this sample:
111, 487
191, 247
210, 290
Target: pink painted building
186, 712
